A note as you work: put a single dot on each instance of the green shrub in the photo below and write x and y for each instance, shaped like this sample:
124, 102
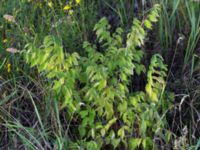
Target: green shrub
95, 88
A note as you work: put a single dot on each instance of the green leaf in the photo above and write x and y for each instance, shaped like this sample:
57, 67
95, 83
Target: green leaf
148, 24
82, 131
102, 84
134, 143
147, 143
143, 127
121, 133
123, 107
115, 143
92, 145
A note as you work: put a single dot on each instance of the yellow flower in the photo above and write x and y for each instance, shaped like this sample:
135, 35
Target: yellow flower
5, 40
50, 4
78, 1
8, 67
67, 7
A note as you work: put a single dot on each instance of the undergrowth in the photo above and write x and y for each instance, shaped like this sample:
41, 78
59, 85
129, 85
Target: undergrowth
94, 88
69, 81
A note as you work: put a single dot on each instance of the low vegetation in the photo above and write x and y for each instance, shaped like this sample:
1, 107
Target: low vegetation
91, 75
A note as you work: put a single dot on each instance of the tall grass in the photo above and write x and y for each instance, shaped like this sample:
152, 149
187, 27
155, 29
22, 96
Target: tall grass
30, 121
180, 17
194, 19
